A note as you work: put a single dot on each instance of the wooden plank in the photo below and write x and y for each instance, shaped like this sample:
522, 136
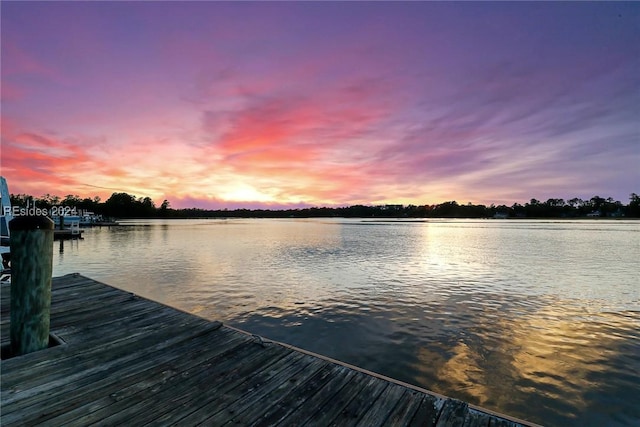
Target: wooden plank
55, 362
68, 359
268, 386
476, 419
255, 404
334, 407
188, 393
315, 404
151, 403
212, 404
61, 312
297, 396
92, 309
63, 291
93, 341
403, 413
453, 413
70, 299
36, 397
384, 404
129, 319
97, 394
14, 389
360, 402
78, 290
84, 289
70, 280
81, 391
232, 403
123, 322
428, 411
502, 422
191, 405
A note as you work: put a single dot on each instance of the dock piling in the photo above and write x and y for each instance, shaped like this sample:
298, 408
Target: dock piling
31, 244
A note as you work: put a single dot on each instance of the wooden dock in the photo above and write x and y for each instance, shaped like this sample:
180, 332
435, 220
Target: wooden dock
125, 360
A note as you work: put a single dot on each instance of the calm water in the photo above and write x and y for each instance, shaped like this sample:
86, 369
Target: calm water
536, 319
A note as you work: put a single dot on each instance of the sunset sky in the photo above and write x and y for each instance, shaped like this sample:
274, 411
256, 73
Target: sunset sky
288, 104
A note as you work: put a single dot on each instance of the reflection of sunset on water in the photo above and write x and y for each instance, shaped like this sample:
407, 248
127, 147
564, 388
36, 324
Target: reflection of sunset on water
566, 355
555, 352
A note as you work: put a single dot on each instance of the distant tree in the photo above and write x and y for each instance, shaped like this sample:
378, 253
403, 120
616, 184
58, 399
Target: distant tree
90, 205
120, 205
596, 203
47, 201
633, 209
575, 202
446, 209
518, 210
534, 209
126, 205
610, 207
20, 200
164, 208
145, 207
553, 207
71, 200
502, 210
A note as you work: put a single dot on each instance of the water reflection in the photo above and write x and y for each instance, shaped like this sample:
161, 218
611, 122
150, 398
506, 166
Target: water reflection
535, 319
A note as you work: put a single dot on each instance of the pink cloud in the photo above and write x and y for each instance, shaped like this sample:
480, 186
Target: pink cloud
301, 145
36, 164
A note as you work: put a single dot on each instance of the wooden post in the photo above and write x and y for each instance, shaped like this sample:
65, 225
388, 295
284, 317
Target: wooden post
31, 239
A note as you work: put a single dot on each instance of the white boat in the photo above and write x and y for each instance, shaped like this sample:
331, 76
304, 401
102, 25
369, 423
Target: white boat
88, 219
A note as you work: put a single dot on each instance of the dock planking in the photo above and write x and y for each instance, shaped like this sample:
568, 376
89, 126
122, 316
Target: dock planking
128, 360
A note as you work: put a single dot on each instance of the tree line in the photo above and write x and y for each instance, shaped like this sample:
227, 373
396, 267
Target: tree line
123, 205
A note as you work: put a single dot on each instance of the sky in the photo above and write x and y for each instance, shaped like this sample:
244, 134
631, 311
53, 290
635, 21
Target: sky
294, 104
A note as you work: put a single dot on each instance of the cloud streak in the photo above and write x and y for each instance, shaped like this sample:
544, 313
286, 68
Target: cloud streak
277, 104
